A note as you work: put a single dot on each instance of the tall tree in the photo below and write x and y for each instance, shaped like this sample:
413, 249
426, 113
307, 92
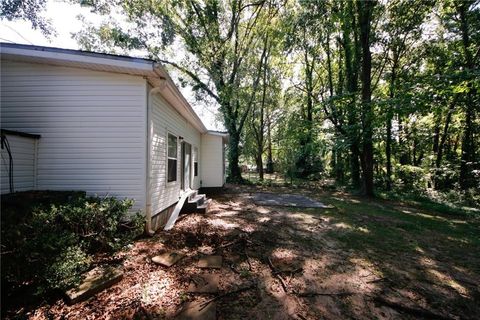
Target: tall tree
468, 157
401, 31
28, 10
365, 13
225, 51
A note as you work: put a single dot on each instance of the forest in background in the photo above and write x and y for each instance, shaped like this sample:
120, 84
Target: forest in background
382, 96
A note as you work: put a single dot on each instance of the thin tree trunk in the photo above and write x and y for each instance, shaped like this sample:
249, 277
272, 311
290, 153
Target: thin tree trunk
269, 145
443, 138
351, 78
468, 145
403, 159
262, 123
365, 9
388, 144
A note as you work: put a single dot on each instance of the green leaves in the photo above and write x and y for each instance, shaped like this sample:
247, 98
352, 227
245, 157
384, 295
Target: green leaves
57, 243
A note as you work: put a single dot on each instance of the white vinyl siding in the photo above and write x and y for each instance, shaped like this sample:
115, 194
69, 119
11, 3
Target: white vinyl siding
23, 154
212, 166
93, 126
167, 120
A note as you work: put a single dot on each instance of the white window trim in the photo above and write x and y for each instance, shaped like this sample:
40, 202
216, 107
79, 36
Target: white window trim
191, 163
174, 182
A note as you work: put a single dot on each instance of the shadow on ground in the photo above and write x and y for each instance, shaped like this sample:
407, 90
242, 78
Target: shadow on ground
361, 259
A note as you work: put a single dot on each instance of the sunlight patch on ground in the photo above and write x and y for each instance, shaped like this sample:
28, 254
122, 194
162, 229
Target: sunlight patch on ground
262, 210
154, 288
249, 228
447, 280
423, 215
460, 269
343, 225
227, 214
285, 259
427, 262
347, 200
264, 219
222, 224
363, 229
464, 241
419, 250
305, 218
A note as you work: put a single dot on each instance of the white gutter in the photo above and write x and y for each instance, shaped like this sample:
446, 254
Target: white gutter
73, 56
148, 207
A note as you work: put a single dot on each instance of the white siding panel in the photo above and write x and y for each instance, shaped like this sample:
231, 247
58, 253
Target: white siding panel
93, 126
211, 166
166, 120
23, 154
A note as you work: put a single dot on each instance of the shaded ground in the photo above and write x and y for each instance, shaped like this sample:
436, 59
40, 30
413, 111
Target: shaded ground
361, 259
285, 200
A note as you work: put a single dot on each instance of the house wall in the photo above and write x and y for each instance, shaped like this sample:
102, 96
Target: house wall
23, 154
212, 167
93, 126
165, 119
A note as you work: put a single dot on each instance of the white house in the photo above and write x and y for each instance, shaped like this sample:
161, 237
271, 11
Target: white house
105, 124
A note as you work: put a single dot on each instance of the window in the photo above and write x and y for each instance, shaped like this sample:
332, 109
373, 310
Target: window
172, 158
195, 162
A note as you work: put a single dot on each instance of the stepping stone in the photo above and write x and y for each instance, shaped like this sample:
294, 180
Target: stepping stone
168, 259
96, 280
194, 310
205, 283
214, 262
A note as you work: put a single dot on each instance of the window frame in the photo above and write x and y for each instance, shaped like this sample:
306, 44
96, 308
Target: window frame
172, 182
195, 162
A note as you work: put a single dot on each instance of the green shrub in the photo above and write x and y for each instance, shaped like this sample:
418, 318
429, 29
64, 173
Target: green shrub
412, 178
445, 177
67, 268
54, 244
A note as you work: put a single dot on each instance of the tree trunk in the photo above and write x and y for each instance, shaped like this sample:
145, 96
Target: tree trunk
269, 146
365, 9
235, 174
304, 160
468, 145
443, 138
388, 151
388, 144
260, 167
351, 79
355, 164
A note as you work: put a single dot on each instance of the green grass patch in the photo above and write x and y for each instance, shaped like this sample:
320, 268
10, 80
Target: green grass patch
388, 227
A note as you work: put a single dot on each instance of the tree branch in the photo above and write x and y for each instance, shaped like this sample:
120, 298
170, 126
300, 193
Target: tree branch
194, 77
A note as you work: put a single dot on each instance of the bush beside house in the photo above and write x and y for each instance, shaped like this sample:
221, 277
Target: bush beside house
50, 238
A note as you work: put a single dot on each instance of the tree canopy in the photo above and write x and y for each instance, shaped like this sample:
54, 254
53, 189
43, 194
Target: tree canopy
379, 95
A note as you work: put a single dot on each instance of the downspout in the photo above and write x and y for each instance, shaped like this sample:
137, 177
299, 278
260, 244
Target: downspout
148, 209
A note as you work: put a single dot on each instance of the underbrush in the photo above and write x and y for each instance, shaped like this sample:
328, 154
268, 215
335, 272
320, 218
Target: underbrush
452, 203
48, 240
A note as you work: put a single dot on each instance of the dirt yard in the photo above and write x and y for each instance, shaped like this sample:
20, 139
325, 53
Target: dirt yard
361, 260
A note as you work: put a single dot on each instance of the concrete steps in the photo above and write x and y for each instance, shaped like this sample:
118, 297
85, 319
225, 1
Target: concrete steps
196, 203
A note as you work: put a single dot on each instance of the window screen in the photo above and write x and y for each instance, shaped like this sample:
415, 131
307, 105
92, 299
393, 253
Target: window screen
172, 158
195, 162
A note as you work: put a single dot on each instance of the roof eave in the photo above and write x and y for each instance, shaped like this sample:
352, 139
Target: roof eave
154, 72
